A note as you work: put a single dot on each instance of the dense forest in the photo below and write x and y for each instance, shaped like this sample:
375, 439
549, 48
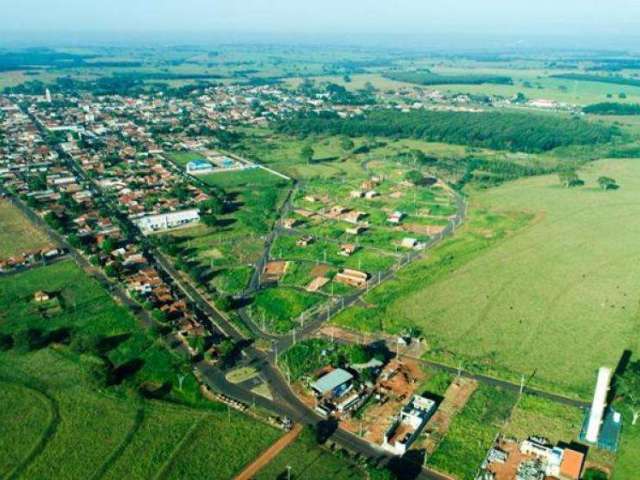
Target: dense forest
612, 108
497, 130
586, 77
426, 77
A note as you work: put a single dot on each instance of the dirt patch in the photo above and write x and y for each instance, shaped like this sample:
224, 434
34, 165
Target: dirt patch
274, 271
320, 270
429, 230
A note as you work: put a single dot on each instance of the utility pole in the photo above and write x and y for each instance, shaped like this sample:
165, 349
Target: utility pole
288, 472
459, 369
522, 380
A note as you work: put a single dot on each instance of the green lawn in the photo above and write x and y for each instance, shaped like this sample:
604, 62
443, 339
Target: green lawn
534, 301
628, 461
256, 177
472, 432
18, 234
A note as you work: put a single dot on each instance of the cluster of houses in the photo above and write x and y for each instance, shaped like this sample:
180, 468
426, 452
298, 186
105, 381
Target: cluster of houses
30, 258
340, 392
74, 206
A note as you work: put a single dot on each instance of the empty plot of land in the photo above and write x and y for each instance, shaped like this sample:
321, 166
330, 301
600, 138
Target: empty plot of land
17, 234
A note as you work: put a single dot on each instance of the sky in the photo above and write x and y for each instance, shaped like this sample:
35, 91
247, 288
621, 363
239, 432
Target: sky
575, 19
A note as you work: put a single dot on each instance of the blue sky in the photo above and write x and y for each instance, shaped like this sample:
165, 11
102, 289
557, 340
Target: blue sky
582, 18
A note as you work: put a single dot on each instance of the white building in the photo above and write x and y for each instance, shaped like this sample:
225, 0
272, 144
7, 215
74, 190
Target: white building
165, 221
408, 426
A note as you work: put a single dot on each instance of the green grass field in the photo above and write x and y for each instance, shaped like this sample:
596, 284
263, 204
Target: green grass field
18, 234
63, 421
311, 462
182, 158
61, 425
554, 299
254, 177
85, 310
628, 461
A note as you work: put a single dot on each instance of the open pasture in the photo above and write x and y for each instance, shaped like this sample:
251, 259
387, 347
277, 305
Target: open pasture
541, 281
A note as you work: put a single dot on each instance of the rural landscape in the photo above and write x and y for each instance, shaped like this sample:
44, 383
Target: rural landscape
286, 258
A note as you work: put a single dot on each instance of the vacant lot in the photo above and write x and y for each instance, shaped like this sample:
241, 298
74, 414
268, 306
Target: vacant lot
554, 299
17, 233
540, 417
472, 432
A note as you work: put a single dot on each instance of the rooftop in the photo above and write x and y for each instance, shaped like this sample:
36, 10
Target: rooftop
332, 380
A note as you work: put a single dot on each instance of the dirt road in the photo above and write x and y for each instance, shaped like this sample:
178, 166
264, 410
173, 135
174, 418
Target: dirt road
269, 454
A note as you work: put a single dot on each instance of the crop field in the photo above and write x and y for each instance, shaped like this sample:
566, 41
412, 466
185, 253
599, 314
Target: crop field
511, 299
70, 429
538, 83
17, 233
472, 432
309, 461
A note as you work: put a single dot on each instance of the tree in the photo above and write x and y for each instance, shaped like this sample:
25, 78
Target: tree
209, 220
307, 153
570, 179
225, 303
607, 183
414, 176
628, 386
346, 144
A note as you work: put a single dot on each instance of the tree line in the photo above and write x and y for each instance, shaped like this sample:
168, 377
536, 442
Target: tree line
496, 130
613, 108
428, 78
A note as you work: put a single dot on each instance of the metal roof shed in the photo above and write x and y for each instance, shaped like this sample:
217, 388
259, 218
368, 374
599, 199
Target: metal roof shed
331, 381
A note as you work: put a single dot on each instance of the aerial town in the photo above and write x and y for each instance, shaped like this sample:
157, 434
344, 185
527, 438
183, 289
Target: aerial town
280, 258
